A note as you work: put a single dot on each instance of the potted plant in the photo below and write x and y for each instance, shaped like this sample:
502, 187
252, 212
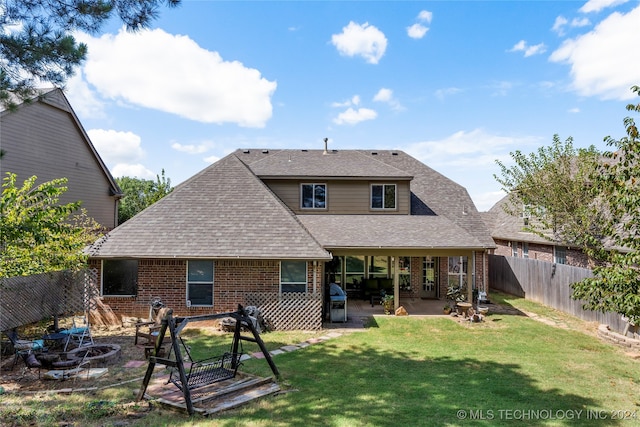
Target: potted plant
447, 309
387, 303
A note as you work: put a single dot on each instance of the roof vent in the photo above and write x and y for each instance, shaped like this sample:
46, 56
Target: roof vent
395, 153
374, 153
304, 150
246, 151
326, 143
265, 151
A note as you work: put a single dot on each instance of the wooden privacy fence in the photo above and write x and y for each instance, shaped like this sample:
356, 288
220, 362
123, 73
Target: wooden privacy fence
289, 310
29, 299
547, 283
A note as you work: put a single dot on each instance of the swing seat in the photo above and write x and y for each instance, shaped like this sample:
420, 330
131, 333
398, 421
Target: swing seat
208, 371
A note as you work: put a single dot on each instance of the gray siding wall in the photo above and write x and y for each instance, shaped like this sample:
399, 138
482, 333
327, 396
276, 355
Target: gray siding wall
344, 197
44, 140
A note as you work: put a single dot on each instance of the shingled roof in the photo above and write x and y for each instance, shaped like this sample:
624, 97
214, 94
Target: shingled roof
226, 211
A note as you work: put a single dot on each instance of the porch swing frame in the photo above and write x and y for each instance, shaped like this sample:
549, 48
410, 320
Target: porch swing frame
210, 372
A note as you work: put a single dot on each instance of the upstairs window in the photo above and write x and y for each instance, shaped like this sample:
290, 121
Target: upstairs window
313, 196
383, 196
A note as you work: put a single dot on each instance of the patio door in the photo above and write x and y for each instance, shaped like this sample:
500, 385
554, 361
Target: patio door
429, 286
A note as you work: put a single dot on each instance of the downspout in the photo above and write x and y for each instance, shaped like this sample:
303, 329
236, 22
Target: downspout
473, 277
315, 276
396, 282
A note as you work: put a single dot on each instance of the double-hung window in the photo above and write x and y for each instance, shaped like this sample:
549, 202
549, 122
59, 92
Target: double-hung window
313, 196
200, 283
119, 277
293, 276
560, 254
383, 196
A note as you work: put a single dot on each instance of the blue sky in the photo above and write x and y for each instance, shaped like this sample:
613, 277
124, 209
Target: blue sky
456, 84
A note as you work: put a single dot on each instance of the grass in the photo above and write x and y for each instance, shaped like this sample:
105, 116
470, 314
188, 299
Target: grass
508, 370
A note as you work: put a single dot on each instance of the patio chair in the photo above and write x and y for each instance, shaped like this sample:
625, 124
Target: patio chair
24, 348
149, 330
80, 332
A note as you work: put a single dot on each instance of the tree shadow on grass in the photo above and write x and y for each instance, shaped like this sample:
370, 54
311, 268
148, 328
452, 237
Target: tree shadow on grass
370, 387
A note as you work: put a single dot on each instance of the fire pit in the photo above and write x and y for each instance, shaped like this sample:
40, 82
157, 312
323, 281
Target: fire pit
98, 355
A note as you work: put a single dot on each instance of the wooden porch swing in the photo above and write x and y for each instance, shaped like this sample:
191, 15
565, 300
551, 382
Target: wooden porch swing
204, 372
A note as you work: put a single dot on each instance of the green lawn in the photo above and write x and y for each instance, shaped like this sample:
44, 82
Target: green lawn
508, 370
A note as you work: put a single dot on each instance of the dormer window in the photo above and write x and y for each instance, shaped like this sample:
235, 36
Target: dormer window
383, 196
313, 196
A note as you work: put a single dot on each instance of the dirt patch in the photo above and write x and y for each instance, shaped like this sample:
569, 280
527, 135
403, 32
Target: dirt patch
23, 379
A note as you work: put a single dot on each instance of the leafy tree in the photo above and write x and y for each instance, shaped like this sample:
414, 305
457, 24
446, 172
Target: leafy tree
37, 234
140, 194
553, 188
36, 41
615, 286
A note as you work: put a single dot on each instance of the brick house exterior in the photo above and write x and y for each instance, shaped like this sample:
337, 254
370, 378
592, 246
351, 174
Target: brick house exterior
291, 221
511, 239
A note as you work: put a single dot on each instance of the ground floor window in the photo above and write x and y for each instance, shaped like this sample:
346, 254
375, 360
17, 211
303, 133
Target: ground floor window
379, 267
293, 276
119, 277
560, 254
200, 283
458, 271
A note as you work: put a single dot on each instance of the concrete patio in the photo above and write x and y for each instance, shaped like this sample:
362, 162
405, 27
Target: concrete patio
358, 311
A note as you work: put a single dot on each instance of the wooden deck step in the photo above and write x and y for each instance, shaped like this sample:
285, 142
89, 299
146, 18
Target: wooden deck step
214, 398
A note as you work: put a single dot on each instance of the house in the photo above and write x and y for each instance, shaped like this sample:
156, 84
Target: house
43, 137
511, 239
290, 222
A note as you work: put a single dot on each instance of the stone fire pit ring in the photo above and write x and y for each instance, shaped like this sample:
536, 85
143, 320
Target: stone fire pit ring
98, 355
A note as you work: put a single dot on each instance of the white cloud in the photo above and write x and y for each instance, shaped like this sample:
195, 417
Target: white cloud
361, 40
602, 60
383, 95
82, 98
528, 50
417, 31
352, 117
558, 25
598, 5
211, 159
386, 95
574, 110
469, 159
442, 93
115, 146
561, 22
192, 148
171, 73
355, 100
473, 149
132, 170
425, 16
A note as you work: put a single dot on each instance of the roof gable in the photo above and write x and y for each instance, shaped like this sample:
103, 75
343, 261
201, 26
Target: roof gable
224, 211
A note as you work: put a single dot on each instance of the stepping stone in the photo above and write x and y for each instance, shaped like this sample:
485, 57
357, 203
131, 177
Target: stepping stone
276, 352
245, 357
290, 348
304, 344
334, 334
258, 355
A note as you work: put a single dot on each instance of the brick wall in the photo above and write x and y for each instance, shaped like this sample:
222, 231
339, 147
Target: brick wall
542, 252
166, 279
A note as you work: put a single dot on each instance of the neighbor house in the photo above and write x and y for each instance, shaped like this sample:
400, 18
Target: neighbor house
511, 237
43, 137
289, 222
